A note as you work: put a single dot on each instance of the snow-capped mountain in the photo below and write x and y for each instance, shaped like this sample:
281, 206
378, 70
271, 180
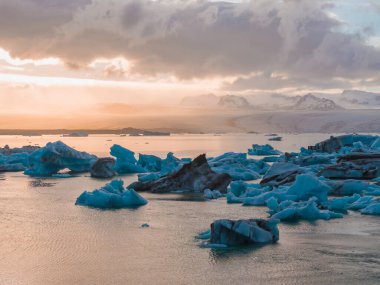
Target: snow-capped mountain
233, 101
205, 100
265, 102
360, 99
311, 102
211, 100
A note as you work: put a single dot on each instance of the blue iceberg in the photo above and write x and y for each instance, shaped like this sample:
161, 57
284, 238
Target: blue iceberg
212, 194
125, 160
307, 186
263, 150
305, 210
14, 162
57, 156
238, 166
111, 196
372, 209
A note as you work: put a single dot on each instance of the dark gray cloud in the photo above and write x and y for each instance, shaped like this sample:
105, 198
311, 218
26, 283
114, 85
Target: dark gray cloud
195, 39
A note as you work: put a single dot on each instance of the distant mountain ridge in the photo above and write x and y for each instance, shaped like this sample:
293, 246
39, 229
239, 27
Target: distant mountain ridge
275, 102
233, 101
360, 99
314, 103
211, 100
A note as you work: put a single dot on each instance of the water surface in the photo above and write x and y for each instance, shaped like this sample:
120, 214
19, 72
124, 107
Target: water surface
46, 239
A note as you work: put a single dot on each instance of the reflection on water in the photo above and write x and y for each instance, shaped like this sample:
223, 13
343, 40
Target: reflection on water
41, 183
189, 197
46, 239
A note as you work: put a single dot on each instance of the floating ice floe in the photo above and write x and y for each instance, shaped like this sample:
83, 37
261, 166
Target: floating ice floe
14, 162
6, 150
275, 139
372, 209
305, 210
310, 159
342, 204
145, 177
204, 235
111, 196
271, 158
376, 144
307, 186
58, 156
212, 194
147, 163
238, 166
346, 187
263, 150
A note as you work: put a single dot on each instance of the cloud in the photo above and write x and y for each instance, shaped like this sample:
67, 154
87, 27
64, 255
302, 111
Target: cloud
194, 39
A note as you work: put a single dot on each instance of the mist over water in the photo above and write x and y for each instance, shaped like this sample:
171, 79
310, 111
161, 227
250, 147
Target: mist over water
46, 239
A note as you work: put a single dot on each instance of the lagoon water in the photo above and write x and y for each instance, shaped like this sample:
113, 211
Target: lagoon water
46, 239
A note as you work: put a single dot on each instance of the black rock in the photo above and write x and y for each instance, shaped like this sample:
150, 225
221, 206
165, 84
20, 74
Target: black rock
195, 176
281, 173
103, 168
240, 232
334, 144
354, 165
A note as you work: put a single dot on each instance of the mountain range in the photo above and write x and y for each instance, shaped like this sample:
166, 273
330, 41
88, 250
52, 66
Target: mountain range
348, 99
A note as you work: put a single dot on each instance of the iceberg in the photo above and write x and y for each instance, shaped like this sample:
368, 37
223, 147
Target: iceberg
58, 156
125, 160
346, 187
376, 144
307, 186
242, 192
372, 209
277, 139
271, 158
342, 204
14, 162
263, 150
334, 144
212, 194
314, 159
150, 162
241, 232
360, 203
238, 166
6, 150
305, 210
172, 164
204, 235
355, 165
111, 196
144, 177
127, 163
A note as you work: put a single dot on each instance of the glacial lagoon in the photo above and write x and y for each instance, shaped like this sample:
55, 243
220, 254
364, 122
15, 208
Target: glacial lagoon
46, 239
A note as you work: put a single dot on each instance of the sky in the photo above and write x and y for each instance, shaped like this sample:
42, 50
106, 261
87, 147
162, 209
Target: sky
58, 56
